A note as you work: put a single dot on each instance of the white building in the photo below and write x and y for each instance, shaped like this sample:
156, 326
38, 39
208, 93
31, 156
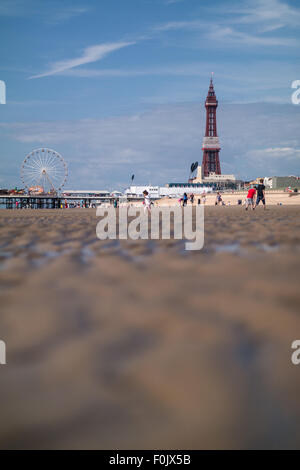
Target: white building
157, 192
85, 193
212, 178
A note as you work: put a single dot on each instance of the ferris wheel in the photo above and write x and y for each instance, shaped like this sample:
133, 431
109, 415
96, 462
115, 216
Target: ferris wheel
44, 171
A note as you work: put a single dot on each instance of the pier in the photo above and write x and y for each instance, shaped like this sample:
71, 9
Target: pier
26, 201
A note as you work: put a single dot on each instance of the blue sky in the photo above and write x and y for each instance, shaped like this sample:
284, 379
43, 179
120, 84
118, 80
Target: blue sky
118, 86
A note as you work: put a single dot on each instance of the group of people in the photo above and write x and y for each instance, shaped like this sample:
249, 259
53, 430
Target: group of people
250, 201
259, 190
219, 201
184, 200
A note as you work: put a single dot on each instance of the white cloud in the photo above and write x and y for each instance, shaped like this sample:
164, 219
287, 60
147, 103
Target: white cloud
255, 18
277, 152
12, 8
50, 12
171, 2
178, 25
268, 14
274, 161
229, 35
90, 54
64, 14
220, 32
172, 69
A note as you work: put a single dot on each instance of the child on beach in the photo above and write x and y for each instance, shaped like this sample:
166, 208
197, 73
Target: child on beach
147, 201
250, 198
219, 199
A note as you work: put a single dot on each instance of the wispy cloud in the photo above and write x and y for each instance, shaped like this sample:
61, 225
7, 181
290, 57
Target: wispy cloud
269, 15
90, 54
272, 157
64, 14
12, 8
248, 24
279, 152
180, 25
231, 36
50, 12
220, 33
171, 2
193, 69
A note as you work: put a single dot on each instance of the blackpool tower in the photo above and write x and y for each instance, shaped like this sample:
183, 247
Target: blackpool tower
211, 145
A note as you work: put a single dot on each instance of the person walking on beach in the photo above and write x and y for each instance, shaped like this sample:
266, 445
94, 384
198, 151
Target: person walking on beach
260, 193
218, 199
250, 198
192, 198
147, 201
185, 199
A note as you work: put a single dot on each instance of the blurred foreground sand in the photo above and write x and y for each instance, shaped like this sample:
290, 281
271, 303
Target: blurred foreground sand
142, 345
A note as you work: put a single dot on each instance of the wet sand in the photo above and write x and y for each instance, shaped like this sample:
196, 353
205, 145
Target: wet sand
140, 344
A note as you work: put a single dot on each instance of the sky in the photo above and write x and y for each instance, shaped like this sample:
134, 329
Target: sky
117, 87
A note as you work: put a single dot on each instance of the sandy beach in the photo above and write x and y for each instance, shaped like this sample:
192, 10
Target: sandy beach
140, 344
273, 198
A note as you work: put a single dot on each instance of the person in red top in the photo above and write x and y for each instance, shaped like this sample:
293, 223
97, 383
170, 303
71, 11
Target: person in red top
250, 198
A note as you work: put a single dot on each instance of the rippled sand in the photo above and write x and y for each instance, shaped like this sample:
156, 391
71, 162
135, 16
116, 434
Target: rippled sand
143, 345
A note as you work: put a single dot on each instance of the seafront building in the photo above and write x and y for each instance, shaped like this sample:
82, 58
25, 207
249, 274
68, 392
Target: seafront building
282, 182
218, 179
85, 193
171, 190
